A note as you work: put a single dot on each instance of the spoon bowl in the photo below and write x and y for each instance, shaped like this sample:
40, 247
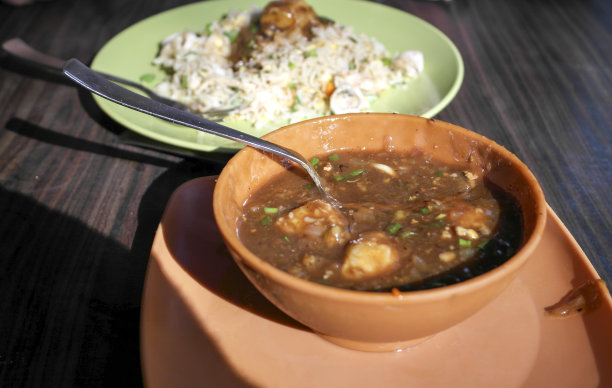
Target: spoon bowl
96, 83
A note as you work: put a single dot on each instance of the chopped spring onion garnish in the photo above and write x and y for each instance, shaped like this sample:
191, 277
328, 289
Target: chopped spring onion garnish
440, 216
232, 35
314, 161
464, 243
148, 78
425, 210
351, 174
296, 102
394, 228
482, 244
270, 210
334, 157
265, 221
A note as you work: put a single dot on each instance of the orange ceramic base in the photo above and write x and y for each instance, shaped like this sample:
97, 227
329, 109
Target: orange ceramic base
203, 324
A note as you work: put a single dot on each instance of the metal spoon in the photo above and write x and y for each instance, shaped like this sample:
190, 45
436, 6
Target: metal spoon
97, 84
21, 53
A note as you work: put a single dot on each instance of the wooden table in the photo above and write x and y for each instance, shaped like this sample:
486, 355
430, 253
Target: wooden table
79, 206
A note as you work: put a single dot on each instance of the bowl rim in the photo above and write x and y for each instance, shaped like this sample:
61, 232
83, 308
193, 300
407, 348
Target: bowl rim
348, 295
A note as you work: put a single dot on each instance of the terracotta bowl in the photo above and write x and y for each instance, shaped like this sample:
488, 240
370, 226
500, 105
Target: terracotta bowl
367, 320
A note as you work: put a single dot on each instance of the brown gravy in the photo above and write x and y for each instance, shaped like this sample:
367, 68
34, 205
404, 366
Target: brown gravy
407, 222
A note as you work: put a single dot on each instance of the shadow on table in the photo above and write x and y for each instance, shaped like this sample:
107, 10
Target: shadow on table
71, 322
49, 136
73, 294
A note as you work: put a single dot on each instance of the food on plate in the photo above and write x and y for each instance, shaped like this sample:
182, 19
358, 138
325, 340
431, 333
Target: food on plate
406, 222
279, 65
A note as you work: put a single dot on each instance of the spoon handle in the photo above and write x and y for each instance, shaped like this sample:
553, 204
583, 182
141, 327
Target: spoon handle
97, 84
20, 54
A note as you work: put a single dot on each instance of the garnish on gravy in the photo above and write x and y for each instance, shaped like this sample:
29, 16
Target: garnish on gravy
406, 222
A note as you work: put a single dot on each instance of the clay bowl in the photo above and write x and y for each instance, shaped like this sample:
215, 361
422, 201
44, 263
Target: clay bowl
366, 320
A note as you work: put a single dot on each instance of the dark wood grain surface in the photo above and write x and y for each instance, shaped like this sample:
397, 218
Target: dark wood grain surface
79, 207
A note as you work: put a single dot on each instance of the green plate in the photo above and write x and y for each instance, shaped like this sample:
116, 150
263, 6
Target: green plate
130, 53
